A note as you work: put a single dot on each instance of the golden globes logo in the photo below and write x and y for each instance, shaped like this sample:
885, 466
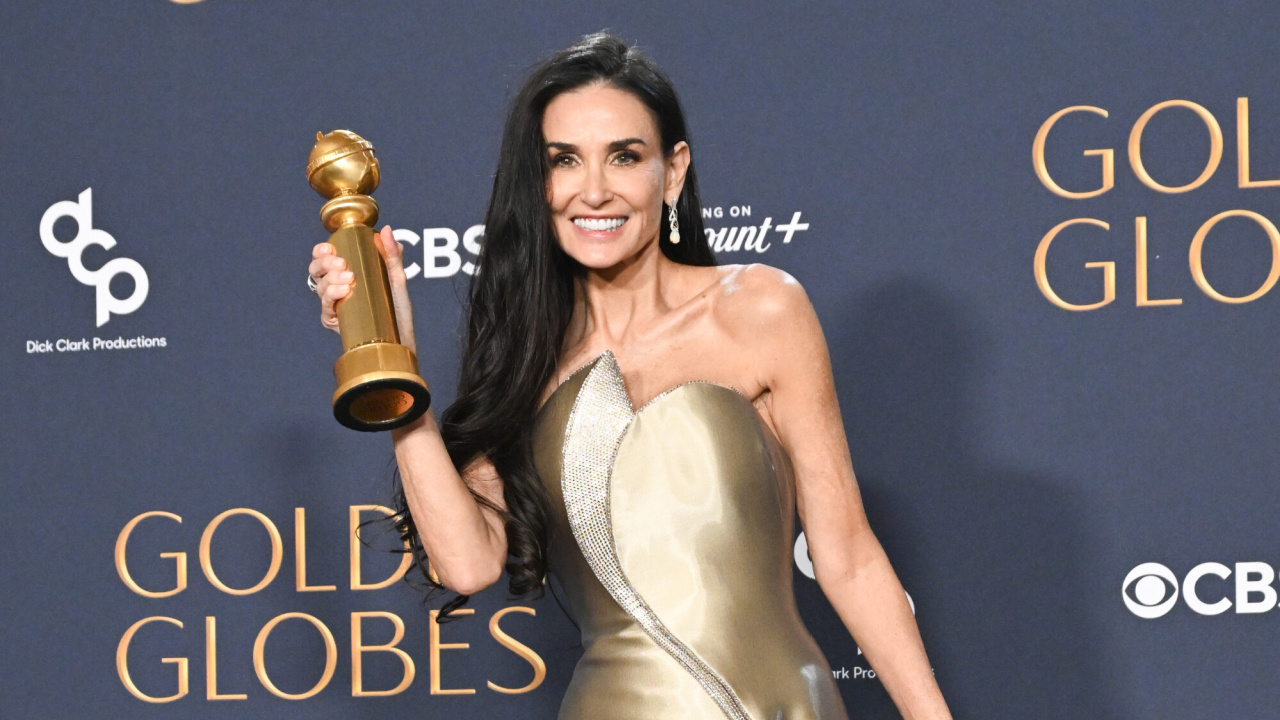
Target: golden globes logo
360, 649
1106, 158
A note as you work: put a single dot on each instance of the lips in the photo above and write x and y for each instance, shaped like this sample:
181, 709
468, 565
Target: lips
599, 224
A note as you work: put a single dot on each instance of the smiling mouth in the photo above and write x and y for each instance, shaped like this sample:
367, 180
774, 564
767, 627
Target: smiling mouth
599, 224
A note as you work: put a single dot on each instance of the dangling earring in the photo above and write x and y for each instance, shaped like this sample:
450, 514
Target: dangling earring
675, 224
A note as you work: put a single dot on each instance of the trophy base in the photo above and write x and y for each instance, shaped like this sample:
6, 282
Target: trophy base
379, 388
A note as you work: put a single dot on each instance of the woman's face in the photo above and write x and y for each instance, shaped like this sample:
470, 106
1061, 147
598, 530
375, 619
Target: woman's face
608, 177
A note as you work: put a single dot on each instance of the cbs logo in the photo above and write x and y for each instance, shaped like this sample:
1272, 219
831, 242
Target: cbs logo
1151, 590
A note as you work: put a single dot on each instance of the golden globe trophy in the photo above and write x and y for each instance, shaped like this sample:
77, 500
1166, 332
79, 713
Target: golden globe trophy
379, 387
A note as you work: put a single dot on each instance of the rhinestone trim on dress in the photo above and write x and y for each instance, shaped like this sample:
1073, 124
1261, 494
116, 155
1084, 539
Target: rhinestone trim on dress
597, 423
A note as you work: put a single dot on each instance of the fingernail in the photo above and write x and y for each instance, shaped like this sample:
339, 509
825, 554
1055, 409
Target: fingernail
347, 277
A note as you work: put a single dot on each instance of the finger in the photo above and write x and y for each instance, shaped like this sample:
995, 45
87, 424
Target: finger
391, 249
325, 259
335, 264
325, 266
343, 278
328, 309
328, 314
336, 291
393, 255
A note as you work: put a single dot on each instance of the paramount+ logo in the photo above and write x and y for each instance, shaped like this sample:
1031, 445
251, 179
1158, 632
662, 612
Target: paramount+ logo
1151, 590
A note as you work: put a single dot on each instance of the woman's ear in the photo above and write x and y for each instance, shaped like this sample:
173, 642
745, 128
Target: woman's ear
677, 166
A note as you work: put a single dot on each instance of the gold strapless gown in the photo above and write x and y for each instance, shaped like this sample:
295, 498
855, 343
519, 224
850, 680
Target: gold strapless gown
672, 534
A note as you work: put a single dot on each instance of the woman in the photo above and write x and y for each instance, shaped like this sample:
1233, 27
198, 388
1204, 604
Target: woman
643, 424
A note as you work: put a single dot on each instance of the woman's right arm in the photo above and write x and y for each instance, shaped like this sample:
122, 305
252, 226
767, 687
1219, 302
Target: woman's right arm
466, 541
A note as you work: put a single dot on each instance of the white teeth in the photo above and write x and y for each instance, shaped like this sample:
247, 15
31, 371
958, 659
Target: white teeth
599, 224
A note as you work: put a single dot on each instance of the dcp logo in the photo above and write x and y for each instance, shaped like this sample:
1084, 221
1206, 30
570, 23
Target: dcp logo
81, 211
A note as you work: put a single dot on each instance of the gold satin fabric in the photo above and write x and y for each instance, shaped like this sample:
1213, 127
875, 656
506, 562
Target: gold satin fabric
701, 502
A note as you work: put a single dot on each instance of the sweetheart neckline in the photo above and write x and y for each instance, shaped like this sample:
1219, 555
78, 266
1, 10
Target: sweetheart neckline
635, 412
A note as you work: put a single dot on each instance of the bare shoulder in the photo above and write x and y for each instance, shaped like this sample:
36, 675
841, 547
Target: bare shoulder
756, 297
766, 314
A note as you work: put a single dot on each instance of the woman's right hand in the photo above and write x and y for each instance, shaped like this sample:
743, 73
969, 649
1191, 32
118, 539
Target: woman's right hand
334, 279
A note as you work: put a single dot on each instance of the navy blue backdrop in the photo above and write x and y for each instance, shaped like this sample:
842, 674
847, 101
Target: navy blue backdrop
1078, 501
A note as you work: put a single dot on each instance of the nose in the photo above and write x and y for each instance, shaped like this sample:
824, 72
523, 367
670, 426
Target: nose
596, 190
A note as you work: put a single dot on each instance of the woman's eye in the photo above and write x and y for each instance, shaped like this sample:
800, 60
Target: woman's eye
627, 158
562, 160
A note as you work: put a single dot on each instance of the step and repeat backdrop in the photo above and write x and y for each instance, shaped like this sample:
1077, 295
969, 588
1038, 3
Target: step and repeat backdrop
1041, 237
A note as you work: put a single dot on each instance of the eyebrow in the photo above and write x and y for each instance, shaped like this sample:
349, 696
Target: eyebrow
613, 146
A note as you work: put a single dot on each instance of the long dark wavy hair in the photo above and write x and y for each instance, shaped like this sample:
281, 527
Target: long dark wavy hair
522, 296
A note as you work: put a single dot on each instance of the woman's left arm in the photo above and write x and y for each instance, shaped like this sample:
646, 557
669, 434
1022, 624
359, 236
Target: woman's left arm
848, 561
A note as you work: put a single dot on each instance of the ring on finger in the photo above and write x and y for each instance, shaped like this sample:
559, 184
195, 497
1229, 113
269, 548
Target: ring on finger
311, 284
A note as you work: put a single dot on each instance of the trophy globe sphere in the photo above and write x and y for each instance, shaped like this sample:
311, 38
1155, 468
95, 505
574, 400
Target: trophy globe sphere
343, 168
342, 163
